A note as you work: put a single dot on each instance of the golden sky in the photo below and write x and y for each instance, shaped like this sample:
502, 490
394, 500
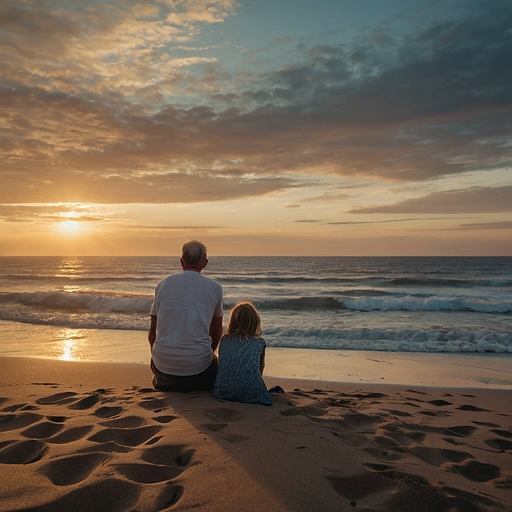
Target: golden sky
287, 127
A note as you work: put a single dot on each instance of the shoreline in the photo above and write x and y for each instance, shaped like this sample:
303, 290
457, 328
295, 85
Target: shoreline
340, 367
397, 368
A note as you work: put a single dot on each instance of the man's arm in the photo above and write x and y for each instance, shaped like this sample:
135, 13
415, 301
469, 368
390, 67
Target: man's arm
216, 331
152, 331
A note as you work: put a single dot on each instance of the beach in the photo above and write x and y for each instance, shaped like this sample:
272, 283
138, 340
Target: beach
395, 432
316, 191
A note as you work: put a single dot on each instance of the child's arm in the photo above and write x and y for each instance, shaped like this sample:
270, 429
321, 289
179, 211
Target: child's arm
262, 360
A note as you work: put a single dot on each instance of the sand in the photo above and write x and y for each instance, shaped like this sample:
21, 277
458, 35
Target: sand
95, 437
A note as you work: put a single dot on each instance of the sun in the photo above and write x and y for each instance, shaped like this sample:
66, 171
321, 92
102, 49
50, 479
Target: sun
70, 227
70, 223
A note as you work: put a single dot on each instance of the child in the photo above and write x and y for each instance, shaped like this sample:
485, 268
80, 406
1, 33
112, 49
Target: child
242, 359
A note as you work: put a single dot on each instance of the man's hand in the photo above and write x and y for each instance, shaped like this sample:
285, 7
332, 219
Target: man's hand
152, 331
216, 331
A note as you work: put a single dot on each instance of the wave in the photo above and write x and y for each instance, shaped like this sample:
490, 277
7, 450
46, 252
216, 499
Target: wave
99, 321
388, 303
76, 279
410, 339
381, 281
330, 282
111, 302
81, 301
445, 282
393, 340
300, 304
429, 303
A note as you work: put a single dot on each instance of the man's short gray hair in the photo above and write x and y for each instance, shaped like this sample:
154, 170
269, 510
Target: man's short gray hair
193, 252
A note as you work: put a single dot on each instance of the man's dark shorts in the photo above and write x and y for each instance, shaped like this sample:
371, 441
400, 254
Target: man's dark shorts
203, 380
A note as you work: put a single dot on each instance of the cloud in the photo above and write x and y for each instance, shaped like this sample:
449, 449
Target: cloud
178, 187
49, 213
115, 47
146, 227
386, 221
472, 200
98, 104
485, 226
330, 197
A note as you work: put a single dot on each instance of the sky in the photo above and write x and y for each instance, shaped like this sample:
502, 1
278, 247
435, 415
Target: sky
260, 127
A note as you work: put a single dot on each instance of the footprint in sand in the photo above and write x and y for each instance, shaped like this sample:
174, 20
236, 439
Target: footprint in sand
235, 438
362, 420
502, 433
164, 419
42, 430
460, 430
353, 439
57, 419
435, 414
126, 437
499, 444
396, 412
73, 469
126, 422
111, 495
108, 412
411, 404
22, 407
147, 474
85, 403
439, 403
403, 491
70, 435
23, 452
16, 421
164, 463
215, 427
169, 497
59, 398
153, 440
360, 486
411, 495
472, 408
224, 415
485, 424
166, 454
401, 436
477, 471
437, 456
415, 391
378, 467
386, 443
153, 404
108, 447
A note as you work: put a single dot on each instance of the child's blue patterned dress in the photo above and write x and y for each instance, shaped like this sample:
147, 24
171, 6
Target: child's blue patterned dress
238, 374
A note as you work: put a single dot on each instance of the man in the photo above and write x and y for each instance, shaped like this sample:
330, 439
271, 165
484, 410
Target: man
186, 325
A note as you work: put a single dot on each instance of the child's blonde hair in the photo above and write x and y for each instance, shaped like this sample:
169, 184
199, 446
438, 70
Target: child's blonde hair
244, 321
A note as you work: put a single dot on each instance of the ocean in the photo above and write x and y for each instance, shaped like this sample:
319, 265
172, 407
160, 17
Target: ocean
97, 308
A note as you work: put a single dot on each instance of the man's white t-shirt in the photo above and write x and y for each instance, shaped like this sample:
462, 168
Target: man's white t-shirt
185, 305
